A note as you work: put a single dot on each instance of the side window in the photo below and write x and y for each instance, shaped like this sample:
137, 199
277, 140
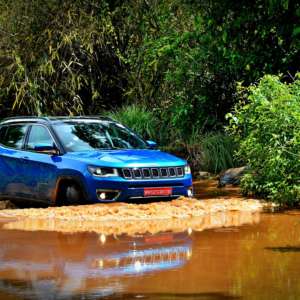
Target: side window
39, 136
13, 136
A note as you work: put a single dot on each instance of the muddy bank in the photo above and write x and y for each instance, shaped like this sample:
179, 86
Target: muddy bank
122, 218
221, 219
179, 208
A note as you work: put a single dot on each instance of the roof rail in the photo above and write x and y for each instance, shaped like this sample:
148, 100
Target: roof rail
52, 118
80, 117
22, 118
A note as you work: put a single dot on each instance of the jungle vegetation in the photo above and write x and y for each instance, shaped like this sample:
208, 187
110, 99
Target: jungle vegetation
170, 69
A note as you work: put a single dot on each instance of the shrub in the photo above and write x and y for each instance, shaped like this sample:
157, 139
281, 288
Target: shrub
267, 125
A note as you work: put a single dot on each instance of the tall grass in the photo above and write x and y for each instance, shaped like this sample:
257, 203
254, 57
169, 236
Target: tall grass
212, 152
138, 119
218, 152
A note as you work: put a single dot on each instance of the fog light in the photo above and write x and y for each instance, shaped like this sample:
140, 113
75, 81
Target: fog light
107, 195
190, 192
102, 196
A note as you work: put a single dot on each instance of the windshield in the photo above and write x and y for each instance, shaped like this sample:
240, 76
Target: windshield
88, 136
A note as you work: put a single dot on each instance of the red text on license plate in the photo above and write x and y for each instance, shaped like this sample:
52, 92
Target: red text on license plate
162, 191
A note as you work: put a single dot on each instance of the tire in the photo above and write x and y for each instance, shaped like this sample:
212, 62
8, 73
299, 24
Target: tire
70, 194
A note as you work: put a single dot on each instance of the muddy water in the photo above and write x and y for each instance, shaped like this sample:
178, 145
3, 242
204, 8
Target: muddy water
250, 256
224, 249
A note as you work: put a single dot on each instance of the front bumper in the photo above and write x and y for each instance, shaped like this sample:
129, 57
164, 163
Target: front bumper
134, 189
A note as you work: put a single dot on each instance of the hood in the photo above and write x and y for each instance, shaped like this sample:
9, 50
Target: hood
128, 158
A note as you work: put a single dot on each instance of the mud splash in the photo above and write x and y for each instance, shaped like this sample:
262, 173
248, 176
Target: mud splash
121, 218
221, 219
180, 208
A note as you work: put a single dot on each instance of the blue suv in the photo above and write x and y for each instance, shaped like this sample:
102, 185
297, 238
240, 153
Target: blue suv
68, 160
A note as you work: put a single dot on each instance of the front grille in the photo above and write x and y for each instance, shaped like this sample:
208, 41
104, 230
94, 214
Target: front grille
152, 173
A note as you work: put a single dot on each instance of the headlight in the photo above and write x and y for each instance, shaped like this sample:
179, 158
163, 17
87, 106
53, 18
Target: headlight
187, 169
103, 171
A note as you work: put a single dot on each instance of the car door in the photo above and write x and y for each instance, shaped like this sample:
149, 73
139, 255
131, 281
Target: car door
12, 164
42, 171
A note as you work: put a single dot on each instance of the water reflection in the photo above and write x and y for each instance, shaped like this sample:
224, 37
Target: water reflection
211, 257
35, 263
54, 260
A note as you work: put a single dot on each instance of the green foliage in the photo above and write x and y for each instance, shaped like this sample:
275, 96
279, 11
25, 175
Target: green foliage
181, 58
175, 62
207, 152
190, 54
58, 57
218, 150
138, 119
211, 152
267, 126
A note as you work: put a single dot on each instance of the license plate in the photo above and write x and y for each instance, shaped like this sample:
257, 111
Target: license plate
162, 191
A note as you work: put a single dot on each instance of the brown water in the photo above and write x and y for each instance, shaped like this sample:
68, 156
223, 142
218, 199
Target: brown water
248, 256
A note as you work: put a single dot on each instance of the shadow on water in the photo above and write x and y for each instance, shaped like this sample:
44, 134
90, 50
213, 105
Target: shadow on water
52, 265
22, 290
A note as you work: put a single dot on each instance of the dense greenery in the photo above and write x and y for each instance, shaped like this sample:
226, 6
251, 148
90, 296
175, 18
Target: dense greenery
58, 57
186, 65
267, 126
169, 69
180, 58
212, 151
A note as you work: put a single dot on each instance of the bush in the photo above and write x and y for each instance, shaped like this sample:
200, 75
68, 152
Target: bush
267, 126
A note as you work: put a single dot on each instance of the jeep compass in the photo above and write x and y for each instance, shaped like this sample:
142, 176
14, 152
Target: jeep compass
68, 160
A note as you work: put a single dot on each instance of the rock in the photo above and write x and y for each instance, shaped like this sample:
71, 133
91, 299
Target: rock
6, 205
232, 176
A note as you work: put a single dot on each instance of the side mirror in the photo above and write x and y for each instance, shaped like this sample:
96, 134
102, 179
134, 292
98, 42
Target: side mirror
152, 144
47, 149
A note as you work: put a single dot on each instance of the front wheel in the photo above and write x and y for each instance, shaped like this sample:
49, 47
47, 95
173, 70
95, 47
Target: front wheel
70, 194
